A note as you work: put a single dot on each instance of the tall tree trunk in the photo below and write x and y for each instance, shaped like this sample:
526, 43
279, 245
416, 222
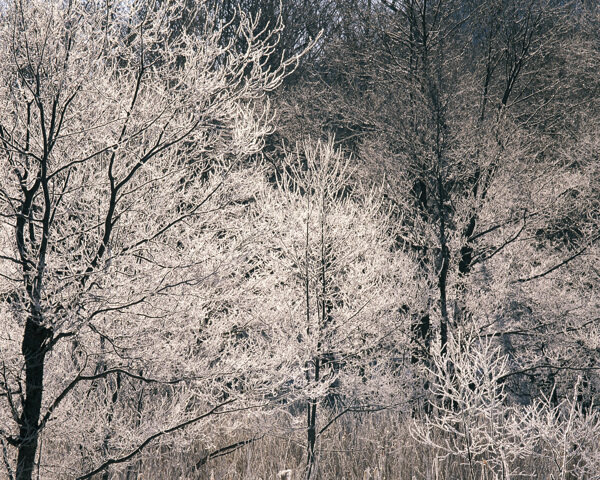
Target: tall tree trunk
34, 352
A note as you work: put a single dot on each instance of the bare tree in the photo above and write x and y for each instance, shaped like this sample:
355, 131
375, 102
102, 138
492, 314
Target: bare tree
336, 287
105, 137
469, 110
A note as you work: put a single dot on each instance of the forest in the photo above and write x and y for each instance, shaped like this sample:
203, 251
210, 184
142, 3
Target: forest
299, 239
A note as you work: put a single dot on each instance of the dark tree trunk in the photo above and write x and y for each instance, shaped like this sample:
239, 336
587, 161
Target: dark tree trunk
312, 428
34, 352
445, 264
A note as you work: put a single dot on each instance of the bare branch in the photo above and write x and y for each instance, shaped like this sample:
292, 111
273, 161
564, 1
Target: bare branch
142, 445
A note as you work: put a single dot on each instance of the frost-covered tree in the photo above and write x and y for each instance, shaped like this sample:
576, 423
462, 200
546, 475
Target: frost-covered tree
335, 289
474, 428
110, 125
473, 113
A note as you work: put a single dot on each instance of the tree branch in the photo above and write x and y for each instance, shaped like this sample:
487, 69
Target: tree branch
226, 450
557, 266
86, 378
142, 445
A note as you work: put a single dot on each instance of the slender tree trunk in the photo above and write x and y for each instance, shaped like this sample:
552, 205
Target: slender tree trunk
312, 428
111, 407
133, 470
34, 352
442, 285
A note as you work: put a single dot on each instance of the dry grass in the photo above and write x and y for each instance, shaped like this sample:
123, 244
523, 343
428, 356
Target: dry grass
363, 447
375, 446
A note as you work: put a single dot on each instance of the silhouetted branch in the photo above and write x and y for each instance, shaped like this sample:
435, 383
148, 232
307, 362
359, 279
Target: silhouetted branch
142, 445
